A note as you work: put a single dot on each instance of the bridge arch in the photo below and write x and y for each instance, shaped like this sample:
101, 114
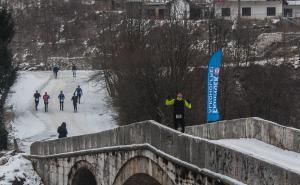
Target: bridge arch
81, 173
142, 170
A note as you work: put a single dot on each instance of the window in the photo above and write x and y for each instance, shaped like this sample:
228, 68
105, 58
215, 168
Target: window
195, 13
246, 11
161, 13
151, 13
225, 12
288, 12
271, 11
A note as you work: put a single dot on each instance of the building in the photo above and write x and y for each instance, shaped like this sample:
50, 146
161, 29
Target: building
251, 9
291, 9
199, 10
158, 9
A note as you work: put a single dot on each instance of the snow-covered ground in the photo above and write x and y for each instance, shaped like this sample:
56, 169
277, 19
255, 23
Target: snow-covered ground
269, 153
29, 125
93, 115
17, 169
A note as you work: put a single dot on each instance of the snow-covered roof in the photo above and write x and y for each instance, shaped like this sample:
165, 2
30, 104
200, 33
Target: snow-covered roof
222, 1
153, 1
293, 2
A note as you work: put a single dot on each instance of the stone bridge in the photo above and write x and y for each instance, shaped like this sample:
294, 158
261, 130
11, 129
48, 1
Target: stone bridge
147, 153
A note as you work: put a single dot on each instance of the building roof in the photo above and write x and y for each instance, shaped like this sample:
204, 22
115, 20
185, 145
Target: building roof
293, 2
154, 1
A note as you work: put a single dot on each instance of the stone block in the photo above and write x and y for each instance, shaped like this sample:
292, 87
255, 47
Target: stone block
93, 140
89, 142
155, 136
75, 143
197, 152
167, 141
184, 148
238, 129
276, 136
69, 144
296, 140
265, 173
82, 140
103, 139
210, 157
51, 145
37, 148
46, 149
146, 132
59, 146
120, 136
256, 129
291, 178
137, 133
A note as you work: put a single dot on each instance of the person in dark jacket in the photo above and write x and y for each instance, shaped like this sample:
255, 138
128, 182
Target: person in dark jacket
74, 68
55, 70
61, 98
179, 104
74, 99
79, 93
62, 130
36, 96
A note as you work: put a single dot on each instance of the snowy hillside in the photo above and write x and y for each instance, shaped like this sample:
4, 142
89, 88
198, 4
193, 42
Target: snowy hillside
29, 125
17, 170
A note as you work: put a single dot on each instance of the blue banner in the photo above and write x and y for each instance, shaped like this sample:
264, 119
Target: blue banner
213, 71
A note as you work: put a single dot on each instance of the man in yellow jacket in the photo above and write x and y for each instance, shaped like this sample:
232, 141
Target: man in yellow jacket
178, 104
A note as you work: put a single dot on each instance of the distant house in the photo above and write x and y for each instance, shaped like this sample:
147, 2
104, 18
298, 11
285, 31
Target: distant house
199, 9
250, 9
158, 9
103, 5
179, 9
291, 9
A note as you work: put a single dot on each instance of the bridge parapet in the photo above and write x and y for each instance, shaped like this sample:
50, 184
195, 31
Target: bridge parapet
193, 150
269, 132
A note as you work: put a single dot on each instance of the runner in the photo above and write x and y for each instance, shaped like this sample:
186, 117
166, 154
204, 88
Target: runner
74, 68
46, 98
36, 96
61, 98
79, 93
55, 70
74, 99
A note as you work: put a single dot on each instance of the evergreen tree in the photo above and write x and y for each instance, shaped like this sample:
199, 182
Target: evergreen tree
7, 70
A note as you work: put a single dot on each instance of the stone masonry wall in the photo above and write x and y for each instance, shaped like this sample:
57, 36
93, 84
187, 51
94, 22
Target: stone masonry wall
116, 166
193, 150
269, 132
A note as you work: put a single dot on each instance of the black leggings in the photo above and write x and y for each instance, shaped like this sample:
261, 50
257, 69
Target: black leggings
75, 107
78, 97
36, 104
180, 122
46, 106
61, 105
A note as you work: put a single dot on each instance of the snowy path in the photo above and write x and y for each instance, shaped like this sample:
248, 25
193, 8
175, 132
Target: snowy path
269, 153
29, 125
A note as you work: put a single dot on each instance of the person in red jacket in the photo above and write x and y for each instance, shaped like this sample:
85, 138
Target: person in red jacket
46, 98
